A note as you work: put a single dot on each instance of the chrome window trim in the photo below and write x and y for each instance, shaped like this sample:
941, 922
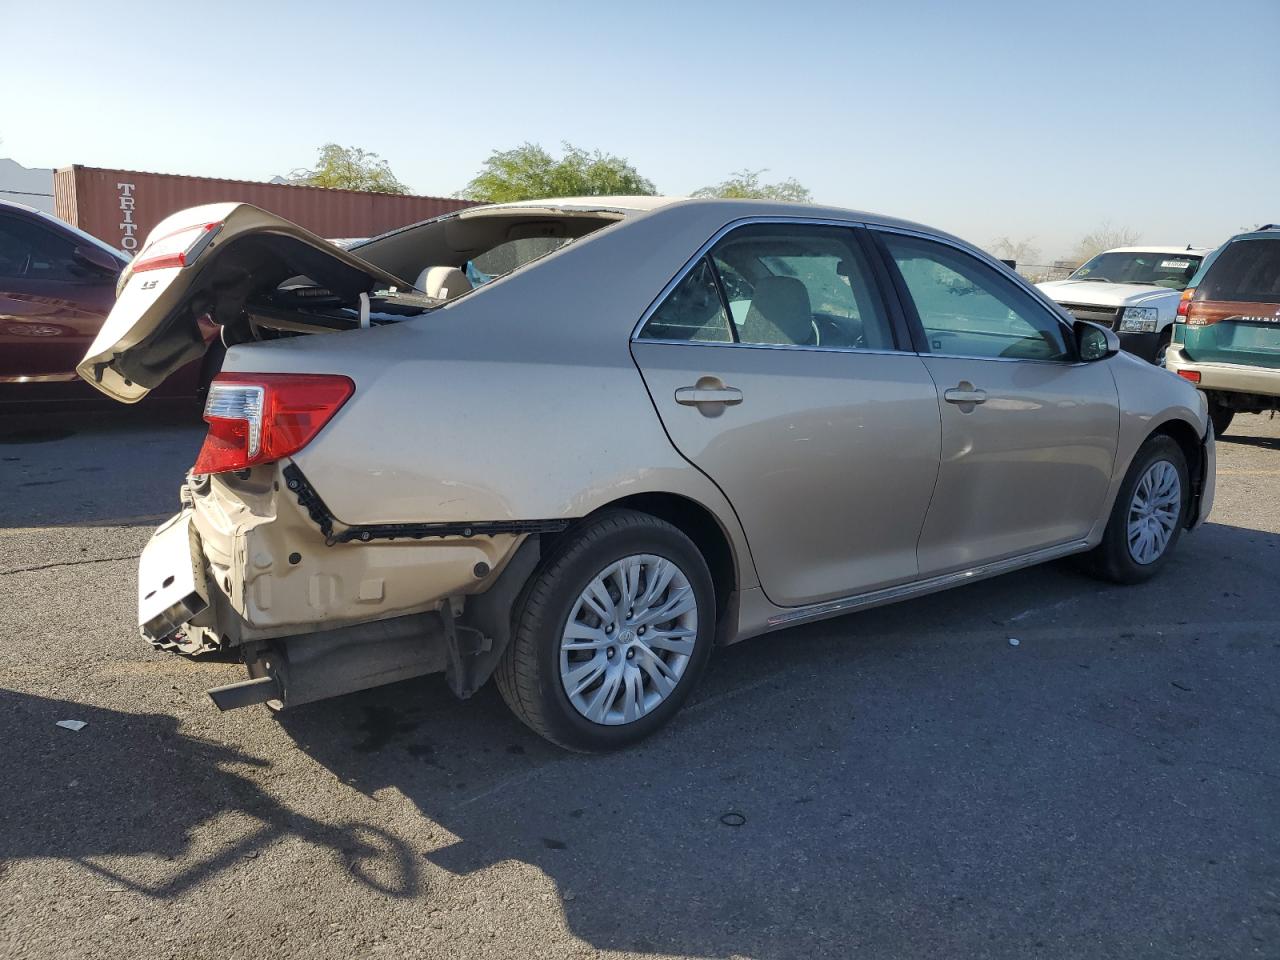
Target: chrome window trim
776, 346
1055, 310
706, 248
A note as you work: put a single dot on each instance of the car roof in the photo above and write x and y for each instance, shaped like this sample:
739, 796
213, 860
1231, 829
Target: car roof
619, 204
1268, 231
15, 205
1185, 248
729, 209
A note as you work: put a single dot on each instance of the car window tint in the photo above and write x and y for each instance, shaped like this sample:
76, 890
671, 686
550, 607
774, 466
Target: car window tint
1247, 270
801, 285
30, 252
970, 310
692, 311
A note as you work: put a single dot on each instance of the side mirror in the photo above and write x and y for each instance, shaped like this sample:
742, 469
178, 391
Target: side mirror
1094, 341
97, 259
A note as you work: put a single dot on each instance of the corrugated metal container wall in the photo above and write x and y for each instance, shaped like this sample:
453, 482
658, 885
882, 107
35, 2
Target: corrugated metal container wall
122, 206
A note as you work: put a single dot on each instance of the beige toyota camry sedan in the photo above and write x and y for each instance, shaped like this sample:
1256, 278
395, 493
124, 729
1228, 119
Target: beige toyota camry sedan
576, 444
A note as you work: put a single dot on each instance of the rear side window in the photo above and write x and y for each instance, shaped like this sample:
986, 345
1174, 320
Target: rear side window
1247, 270
801, 285
29, 252
693, 311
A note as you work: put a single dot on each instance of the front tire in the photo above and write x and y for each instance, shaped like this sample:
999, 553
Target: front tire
1148, 517
611, 634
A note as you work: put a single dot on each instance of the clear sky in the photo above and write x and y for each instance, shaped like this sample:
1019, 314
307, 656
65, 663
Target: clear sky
986, 119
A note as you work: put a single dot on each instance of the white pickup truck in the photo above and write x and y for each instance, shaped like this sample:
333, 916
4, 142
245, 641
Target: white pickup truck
1134, 291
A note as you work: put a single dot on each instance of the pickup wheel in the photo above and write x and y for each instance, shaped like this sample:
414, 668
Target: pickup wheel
1220, 414
611, 633
1148, 516
1162, 347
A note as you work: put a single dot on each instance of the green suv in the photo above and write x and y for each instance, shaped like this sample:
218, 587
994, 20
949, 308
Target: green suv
1227, 336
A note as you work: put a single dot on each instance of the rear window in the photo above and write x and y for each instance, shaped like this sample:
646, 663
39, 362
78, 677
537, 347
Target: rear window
1247, 270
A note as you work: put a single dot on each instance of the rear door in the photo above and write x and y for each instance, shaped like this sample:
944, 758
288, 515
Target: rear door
1028, 432
777, 371
197, 270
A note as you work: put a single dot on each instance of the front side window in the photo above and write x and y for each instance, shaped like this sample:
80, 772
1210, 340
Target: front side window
1171, 270
693, 311
967, 309
29, 252
800, 285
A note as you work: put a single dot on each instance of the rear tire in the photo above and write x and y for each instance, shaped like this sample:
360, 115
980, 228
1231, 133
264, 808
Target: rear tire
592, 682
1220, 414
1148, 517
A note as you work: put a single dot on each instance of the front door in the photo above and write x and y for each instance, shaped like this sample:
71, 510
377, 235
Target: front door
51, 306
1028, 431
775, 372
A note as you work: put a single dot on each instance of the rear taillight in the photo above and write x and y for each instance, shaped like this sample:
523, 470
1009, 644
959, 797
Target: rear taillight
1185, 303
177, 249
1192, 375
260, 417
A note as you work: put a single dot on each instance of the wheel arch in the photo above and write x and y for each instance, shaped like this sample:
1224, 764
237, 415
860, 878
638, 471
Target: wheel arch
700, 525
1184, 434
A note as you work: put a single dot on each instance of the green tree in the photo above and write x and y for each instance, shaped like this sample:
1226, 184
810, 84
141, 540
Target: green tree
528, 172
350, 168
746, 185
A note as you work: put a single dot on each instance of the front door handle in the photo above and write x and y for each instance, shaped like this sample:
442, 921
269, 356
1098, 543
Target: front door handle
964, 393
692, 396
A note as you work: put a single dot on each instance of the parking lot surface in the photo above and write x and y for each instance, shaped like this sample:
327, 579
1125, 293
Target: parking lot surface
904, 782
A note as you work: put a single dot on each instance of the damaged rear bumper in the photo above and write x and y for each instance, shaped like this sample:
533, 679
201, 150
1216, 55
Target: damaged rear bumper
246, 565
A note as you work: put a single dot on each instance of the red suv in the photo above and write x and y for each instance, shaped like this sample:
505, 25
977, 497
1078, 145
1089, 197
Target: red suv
57, 285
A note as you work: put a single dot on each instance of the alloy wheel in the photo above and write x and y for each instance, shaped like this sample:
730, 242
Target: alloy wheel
628, 639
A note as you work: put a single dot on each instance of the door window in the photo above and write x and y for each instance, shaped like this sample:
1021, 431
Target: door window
29, 252
800, 285
968, 309
693, 311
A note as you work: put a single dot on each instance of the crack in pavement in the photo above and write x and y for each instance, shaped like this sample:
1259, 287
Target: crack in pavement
67, 563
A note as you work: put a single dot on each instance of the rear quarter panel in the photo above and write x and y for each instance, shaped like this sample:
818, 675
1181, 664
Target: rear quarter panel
520, 401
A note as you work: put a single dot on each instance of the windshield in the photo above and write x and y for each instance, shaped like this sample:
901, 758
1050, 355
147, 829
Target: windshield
1171, 270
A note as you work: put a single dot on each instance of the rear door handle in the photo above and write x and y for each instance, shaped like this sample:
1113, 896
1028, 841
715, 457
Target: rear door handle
692, 396
964, 393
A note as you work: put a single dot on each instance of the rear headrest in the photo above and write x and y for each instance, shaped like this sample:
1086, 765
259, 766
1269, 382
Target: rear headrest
779, 312
443, 283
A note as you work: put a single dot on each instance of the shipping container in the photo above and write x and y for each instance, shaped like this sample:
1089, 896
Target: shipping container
122, 206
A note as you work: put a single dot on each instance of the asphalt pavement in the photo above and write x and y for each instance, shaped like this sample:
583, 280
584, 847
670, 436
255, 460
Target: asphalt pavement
904, 782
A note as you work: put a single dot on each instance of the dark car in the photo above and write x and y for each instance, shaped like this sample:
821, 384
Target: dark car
1227, 338
57, 285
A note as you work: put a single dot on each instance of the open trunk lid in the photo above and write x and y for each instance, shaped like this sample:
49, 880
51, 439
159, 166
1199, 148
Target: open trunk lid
215, 266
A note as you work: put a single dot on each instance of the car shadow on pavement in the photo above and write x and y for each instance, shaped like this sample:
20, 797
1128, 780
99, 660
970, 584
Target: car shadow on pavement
905, 780
127, 796
120, 467
1244, 440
